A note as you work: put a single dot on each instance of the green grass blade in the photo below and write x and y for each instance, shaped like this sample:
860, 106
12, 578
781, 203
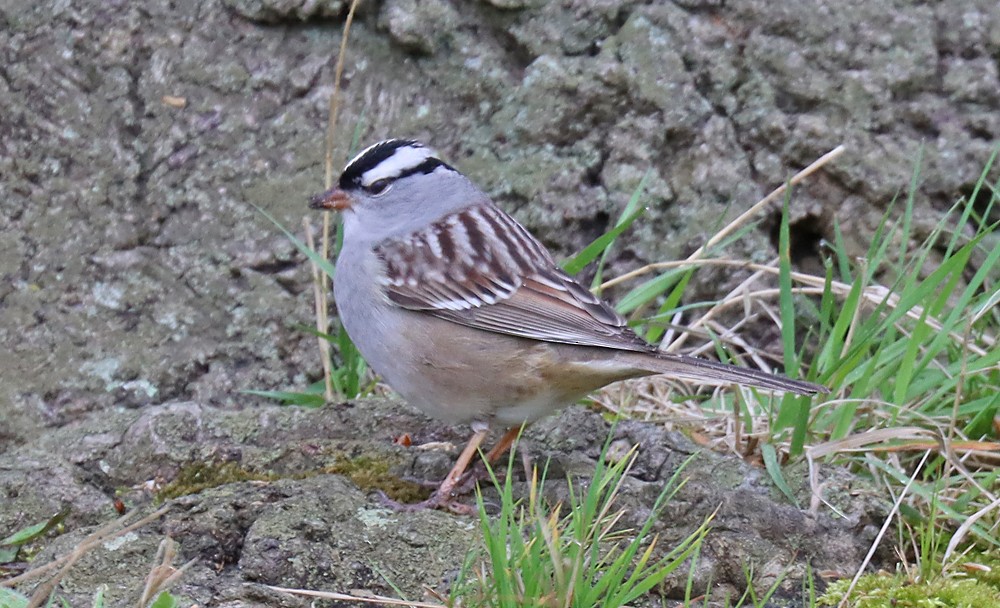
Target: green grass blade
669, 307
304, 249
600, 245
36, 531
305, 399
632, 207
649, 290
12, 599
164, 600
986, 410
774, 471
790, 412
312, 331
974, 196
840, 254
786, 302
907, 220
905, 370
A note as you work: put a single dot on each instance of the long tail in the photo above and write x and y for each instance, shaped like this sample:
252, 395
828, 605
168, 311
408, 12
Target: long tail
713, 372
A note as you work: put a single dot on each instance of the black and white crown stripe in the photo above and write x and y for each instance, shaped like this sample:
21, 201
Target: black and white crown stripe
390, 159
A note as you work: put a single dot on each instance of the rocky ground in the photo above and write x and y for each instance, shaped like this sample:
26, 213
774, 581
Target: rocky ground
283, 518
140, 287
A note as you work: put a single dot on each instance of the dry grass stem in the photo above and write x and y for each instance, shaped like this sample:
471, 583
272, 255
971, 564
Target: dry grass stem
893, 441
376, 599
960, 384
322, 319
738, 295
963, 529
744, 217
882, 531
64, 563
163, 574
867, 440
732, 336
989, 306
334, 114
737, 428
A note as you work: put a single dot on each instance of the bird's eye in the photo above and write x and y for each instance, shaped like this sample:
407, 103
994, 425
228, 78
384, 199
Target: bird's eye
378, 186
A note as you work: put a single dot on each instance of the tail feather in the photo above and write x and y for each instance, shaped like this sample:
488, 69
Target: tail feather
712, 372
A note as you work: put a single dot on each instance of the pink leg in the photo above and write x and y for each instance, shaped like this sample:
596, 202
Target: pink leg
468, 481
442, 497
503, 445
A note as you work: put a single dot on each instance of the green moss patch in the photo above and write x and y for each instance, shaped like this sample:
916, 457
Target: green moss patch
367, 471
198, 476
371, 472
975, 584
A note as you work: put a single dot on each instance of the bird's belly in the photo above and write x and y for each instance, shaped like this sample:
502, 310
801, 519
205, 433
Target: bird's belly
459, 374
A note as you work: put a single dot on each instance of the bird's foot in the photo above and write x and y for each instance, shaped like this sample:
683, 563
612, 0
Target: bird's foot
437, 500
467, 482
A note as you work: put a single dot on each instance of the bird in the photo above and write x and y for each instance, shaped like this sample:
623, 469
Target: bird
467, 316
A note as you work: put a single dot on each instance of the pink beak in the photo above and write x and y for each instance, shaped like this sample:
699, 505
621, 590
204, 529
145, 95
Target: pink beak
333, 199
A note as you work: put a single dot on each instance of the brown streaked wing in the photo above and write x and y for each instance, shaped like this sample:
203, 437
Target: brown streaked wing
460, 269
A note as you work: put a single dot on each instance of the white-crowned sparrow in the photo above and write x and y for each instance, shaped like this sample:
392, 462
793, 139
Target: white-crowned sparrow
466, 315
